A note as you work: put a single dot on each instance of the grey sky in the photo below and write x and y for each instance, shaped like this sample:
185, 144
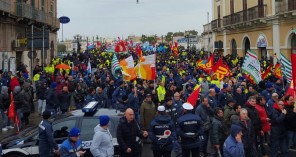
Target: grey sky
117, 18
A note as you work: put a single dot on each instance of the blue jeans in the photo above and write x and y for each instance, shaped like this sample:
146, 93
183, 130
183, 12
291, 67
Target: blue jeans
291, 136
20, 116
41, 106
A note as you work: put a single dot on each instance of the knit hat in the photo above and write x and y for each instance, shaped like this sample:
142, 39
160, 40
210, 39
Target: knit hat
104, 120
217, 90
74, 132
168, 99
225, 86
235, 129
53, 85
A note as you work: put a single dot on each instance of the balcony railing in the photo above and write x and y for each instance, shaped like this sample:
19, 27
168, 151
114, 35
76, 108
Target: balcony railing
5, 5
51, 20
41, 16
248, 15
218, 23
286, 6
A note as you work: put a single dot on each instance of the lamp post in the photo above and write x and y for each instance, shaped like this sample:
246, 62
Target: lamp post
187, 36
78, 37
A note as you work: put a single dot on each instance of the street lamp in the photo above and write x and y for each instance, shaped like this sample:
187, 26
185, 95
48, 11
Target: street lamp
187, 34
78, 37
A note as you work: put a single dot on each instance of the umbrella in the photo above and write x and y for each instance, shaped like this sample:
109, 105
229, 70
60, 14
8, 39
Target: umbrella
63, 66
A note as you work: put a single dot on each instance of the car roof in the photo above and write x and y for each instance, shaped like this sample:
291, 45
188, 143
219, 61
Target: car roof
99, 112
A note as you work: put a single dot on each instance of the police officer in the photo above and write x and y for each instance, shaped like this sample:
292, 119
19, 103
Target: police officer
46, 141
170, 109
189, 129
162, 133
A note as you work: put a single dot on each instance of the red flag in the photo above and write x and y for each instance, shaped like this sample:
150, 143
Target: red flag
209, 64
278, 71
266, 72
12, 114
139, 51
194, 96
291, 90
293, 61
220, 70
249, 78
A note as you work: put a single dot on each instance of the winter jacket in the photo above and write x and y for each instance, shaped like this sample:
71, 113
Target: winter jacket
102, 145
69, 149
72, 86
46, 140
90, 98
64, 99
41, 92
102, 99
212, 101
18, 97
148, 111
278, 129
52, 101
158, 128
290, 118
126, 136
4, 98
218, 133
263, 117
248, 136
254, 116
13, 83
27, 98
228, 112
232, 148
79, 96
240, 99
133, 102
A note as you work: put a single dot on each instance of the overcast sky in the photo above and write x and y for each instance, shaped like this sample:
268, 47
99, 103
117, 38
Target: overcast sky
117, 18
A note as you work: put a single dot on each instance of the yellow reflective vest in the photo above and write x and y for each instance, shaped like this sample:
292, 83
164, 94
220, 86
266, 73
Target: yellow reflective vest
160, 93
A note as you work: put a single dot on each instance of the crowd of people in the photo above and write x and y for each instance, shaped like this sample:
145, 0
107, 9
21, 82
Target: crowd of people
232, 116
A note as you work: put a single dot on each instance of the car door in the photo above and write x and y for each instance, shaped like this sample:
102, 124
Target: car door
61, 129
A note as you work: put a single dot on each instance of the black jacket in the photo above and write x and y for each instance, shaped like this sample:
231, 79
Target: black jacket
278, 129
248, 137
41, 92
290, 118
254, 116
218, 133
126, 136
4, 101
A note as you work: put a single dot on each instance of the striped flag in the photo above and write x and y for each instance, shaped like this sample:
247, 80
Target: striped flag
251, 66
115, 66
286, 67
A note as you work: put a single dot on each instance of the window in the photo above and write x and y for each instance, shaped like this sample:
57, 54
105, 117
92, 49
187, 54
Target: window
219, 16
260, 8
42, 5
88, 125
61, 129
33, 3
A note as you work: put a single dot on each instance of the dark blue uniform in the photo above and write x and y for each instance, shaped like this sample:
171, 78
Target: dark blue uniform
46, 140
162, 134
189, 128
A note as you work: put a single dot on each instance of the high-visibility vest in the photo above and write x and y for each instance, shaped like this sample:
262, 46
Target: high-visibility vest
160, 93
36, 77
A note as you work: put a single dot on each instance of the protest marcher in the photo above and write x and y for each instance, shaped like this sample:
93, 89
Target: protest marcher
290, 120
47, 144
72, 146
233, 145
148, 111
127, 131
102, 145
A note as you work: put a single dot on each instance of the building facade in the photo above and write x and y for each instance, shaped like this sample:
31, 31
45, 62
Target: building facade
27, 25
267, 27
206, 39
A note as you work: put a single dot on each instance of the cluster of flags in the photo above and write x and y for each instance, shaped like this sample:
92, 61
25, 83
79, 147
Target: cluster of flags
145, 69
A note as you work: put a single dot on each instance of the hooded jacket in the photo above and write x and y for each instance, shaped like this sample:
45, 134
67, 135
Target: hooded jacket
27, 97
102, 145
231, 147
18, 97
